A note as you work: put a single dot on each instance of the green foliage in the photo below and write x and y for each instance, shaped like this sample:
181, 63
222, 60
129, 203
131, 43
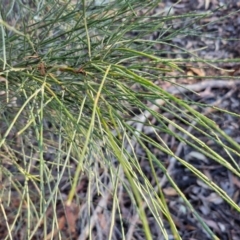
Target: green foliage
73, 76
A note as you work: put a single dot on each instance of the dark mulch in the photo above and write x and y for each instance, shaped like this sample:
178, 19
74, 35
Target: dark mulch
214, 37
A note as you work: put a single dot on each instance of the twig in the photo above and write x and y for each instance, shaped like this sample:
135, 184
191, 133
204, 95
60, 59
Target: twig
146, 114
140, 119
102, 205
200, 86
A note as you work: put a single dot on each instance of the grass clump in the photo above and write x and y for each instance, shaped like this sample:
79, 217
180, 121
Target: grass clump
83, 114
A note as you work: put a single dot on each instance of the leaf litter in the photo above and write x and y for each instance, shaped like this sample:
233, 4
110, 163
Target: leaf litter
216, 213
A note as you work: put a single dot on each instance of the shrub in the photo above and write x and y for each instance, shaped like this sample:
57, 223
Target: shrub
94, 120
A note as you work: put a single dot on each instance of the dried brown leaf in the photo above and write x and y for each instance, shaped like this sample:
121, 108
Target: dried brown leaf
169, 191
198, 71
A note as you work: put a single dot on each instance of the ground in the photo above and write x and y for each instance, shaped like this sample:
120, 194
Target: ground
219, 40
